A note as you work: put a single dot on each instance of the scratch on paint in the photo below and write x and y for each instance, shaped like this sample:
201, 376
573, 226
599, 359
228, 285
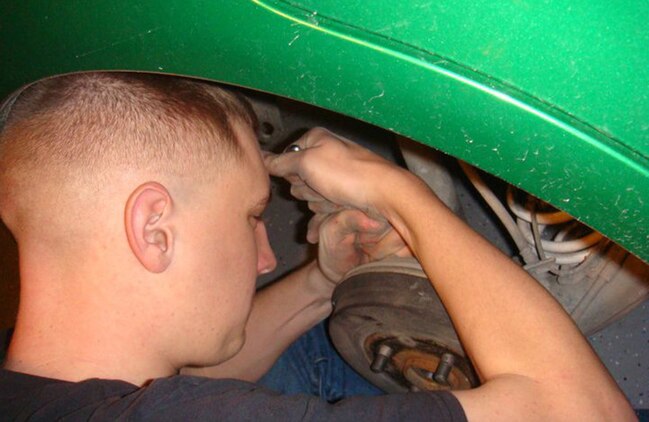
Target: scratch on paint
467, 138
293, 40
524, 157
313, 18
118, 42
376, 96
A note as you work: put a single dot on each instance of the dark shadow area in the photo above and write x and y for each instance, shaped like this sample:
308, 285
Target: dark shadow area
9, 279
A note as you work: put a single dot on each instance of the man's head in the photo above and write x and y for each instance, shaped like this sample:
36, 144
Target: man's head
78, 130
139, 194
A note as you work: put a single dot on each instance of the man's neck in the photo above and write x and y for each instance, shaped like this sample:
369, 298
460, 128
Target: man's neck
67, 348
79, 318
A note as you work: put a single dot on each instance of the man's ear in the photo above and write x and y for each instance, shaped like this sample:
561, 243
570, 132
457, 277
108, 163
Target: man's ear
148, 223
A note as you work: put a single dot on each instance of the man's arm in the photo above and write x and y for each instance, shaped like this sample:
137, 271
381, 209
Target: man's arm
533, 361
529, 354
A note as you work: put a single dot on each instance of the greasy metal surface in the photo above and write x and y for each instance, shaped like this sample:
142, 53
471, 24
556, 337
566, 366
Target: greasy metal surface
552, 98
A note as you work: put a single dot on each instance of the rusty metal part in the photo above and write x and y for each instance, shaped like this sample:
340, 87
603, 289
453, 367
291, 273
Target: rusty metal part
444, 369
432, 372
421, 364
389, 324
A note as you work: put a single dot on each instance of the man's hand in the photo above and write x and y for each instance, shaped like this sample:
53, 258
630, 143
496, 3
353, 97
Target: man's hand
343, 184
333, 173
349, 238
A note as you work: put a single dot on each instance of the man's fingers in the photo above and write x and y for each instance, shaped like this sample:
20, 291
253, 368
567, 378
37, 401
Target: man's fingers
290, 162
333, 227
390, 244
324, 207
313, 228
284, 165
302, 191
348, 221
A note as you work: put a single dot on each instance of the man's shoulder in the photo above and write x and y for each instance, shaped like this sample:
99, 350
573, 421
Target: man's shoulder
25, 396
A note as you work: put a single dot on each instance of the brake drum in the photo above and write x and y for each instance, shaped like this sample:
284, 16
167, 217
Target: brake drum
390, 325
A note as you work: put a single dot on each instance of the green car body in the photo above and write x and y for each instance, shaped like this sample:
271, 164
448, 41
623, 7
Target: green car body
552, 97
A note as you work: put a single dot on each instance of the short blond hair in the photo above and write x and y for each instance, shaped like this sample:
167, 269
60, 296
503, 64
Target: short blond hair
79, 125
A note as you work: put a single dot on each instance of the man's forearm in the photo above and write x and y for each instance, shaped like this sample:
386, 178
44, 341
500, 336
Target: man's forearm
281, 312
508, 324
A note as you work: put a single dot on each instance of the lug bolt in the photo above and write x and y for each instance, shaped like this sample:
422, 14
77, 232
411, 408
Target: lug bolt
381, 358
444, 368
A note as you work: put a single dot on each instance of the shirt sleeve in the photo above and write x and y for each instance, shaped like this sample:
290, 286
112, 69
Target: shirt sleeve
197, 399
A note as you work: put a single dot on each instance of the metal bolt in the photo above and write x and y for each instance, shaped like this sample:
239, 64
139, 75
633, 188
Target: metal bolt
381, 358
444, 368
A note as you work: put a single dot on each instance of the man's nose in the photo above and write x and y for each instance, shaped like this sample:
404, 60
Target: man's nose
266, 261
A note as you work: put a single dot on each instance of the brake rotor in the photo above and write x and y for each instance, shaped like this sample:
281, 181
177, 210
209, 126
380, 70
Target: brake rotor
390, 326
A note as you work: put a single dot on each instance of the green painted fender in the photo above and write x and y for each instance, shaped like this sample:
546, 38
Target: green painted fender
550, 96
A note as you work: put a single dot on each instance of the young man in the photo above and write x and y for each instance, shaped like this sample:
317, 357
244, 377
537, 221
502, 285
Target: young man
136, 202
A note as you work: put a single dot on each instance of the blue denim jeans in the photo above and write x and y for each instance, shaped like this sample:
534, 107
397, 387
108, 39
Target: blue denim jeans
312, 366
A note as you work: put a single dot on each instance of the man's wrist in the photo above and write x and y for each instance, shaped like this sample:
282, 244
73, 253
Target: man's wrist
318, 283
401, 191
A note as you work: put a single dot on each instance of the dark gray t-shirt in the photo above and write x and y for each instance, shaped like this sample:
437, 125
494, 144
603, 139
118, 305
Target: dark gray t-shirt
27, 397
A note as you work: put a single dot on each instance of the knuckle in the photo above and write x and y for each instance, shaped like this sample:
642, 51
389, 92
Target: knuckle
296, 190
306, 155
318, 133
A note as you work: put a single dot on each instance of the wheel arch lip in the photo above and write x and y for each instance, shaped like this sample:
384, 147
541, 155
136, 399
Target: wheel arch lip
601, 180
